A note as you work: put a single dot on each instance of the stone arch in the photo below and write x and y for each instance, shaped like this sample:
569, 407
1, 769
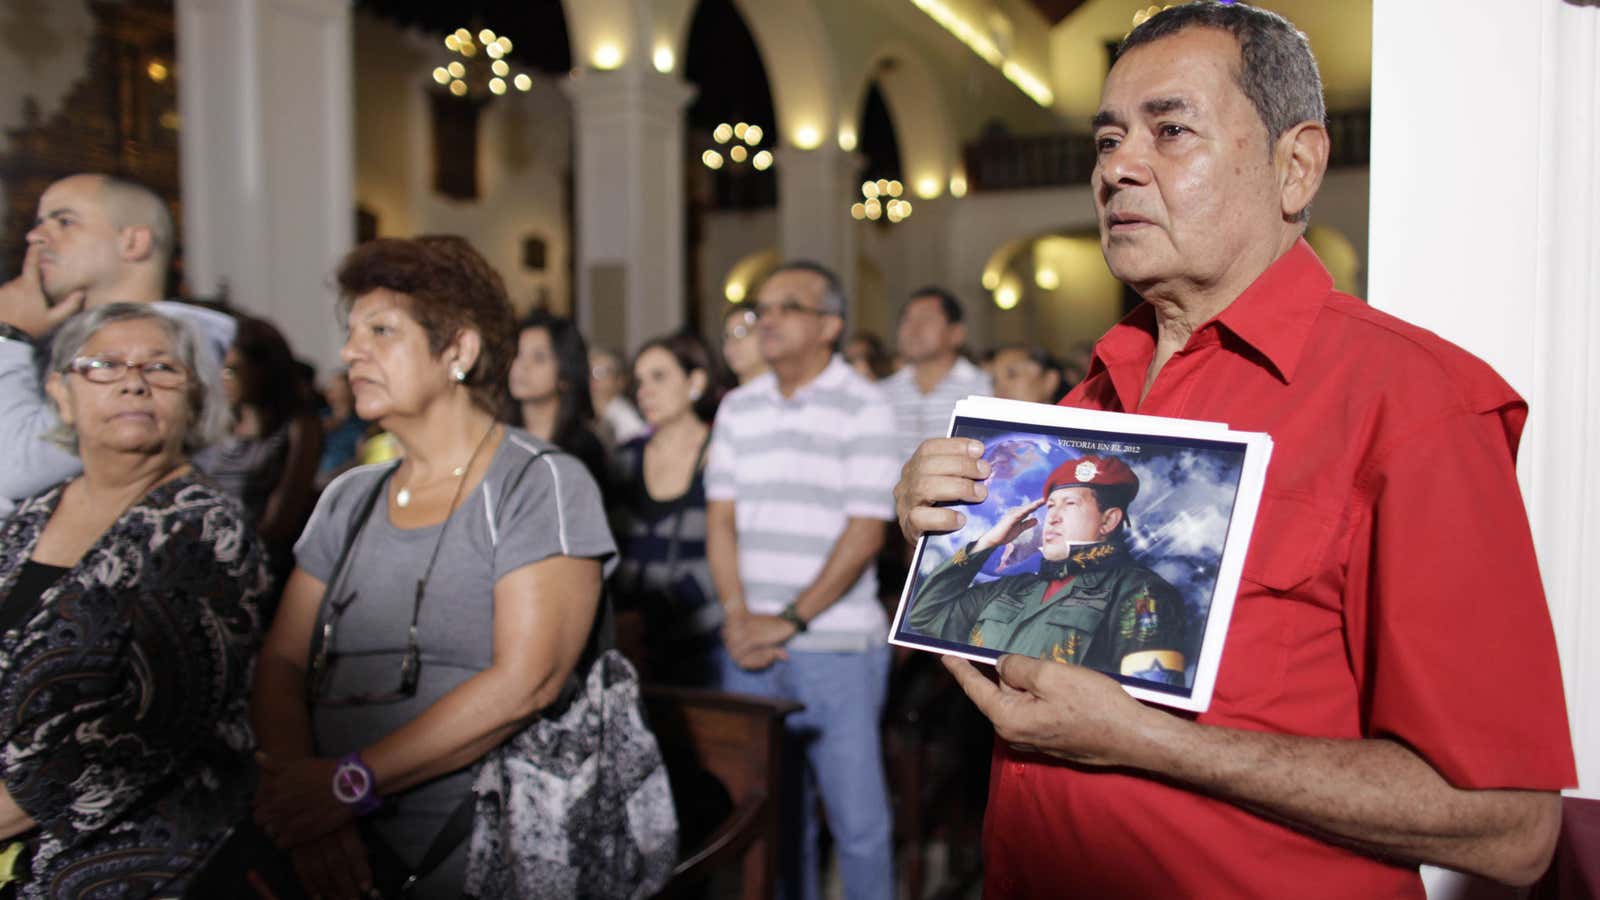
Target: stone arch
745, 275
1063, 294
800, 63
597, 27
790, 36
917, 109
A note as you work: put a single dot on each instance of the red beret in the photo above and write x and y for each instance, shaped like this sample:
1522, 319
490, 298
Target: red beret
1095, 472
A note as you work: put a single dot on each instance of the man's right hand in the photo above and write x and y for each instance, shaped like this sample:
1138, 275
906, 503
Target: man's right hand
23, 303
1009, 527
941, 471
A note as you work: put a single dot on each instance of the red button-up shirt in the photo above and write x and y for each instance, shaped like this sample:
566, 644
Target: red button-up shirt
1390, 590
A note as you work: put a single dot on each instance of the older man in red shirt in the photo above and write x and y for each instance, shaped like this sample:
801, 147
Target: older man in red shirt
1390, 692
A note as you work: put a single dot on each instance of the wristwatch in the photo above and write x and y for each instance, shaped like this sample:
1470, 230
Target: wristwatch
9, 332
355, 786
792, 616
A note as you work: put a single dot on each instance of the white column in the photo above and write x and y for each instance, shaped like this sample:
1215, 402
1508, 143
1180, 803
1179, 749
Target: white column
1485, 186
629, 203
267, 161
815, 190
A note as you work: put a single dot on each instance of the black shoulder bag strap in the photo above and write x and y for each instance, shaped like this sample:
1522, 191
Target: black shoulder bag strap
336, 578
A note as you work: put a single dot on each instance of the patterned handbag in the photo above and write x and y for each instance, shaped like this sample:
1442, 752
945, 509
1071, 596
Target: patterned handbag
577, 804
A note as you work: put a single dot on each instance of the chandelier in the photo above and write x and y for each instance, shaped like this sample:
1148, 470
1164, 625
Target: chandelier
881, 200
745, 140
471, 72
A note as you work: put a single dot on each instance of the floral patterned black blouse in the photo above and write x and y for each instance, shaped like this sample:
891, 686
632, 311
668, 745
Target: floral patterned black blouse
124, 694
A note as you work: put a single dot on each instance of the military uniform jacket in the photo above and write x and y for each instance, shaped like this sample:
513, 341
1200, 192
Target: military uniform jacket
1110, 607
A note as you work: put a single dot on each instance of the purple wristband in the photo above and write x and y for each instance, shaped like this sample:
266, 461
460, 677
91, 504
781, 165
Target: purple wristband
355, 786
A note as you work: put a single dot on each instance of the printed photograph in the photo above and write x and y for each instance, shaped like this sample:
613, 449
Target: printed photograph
1093, 548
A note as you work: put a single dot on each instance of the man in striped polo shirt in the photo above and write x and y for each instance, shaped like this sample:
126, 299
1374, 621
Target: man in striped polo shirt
935, 375
798, 486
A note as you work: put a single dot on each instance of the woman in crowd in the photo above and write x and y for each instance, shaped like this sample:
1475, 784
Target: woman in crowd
741, 349
865, 353
270, 460
342, 430
130, 610
550, 388
616, 421
659, 506
1026, 373
440, 600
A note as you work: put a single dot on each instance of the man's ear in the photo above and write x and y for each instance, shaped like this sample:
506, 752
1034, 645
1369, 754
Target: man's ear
832, 327
1109, 520
957, 335
1053, 378
135, 243
1301, 158
55, 387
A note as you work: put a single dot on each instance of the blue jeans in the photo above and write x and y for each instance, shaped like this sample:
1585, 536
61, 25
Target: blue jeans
834, 745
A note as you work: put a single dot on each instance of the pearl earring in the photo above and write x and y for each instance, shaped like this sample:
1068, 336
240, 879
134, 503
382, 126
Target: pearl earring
458, 374
694, 394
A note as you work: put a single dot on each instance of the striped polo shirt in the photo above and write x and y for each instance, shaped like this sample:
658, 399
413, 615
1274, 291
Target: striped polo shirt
921, 416
797, 469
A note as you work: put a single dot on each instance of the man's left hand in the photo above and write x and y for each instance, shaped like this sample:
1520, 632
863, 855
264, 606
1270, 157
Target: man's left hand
756, 641
1066, 711
295, 801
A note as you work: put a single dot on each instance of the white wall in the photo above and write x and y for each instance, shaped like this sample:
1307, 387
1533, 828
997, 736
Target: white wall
524, 152
1485, 186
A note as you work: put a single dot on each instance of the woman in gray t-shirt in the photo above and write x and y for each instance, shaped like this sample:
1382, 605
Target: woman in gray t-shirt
488, 539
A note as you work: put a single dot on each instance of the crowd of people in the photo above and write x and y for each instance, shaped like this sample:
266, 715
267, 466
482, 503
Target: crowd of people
223, 590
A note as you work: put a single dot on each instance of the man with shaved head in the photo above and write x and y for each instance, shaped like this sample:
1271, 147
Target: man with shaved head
1389, 692
97, 240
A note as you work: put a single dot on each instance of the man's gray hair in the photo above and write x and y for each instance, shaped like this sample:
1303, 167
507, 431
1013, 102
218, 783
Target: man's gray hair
833, 289
1278, 73
209, 416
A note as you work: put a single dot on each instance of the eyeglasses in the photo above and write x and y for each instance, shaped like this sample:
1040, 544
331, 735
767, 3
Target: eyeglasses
786, 308
157, 373
326, 660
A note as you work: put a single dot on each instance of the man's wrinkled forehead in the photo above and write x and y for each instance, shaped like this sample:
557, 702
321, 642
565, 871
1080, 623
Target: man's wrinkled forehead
796, 284
1161, 76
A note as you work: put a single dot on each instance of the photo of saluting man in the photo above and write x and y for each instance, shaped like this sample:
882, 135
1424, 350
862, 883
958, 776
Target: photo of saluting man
1088, 603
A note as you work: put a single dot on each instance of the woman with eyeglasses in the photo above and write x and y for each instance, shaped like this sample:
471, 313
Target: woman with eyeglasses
741, 349
269, 460
131, 606
439, 601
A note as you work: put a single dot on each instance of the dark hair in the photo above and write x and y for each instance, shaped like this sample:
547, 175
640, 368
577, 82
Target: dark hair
948, 304
450, 288
1278, 73
833, 300
574, 405
742, 308
1044, 359
689, 352
267, 358
878, 360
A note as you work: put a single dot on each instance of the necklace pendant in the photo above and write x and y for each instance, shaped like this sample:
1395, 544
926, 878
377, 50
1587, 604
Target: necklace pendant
402, 498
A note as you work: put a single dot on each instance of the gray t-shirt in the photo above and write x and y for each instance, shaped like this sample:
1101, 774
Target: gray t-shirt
529, 507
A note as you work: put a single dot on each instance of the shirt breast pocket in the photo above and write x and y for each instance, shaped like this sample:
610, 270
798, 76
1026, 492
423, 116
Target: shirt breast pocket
1083, 612
1287, 548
